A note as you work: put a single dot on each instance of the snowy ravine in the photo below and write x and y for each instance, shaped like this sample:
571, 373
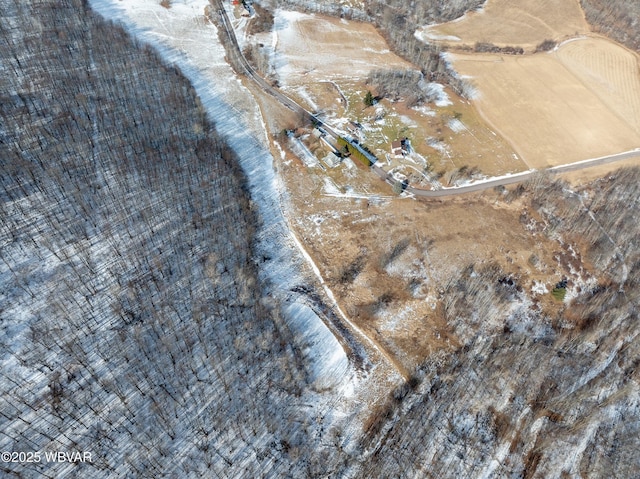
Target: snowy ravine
183, 39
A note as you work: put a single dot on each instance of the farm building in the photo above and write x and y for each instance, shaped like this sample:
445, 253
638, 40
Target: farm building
400, 147
396, 148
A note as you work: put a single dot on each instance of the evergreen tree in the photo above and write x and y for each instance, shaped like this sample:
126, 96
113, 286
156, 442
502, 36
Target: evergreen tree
368, 99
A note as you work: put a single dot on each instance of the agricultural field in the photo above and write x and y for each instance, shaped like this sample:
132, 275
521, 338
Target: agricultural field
608, 70
580, 101
312, 48
524, 23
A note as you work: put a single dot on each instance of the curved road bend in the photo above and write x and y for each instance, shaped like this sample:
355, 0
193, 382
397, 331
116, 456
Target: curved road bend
243, 64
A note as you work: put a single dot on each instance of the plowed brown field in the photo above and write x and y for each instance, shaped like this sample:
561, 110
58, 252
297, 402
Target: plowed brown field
608, 70
581, 101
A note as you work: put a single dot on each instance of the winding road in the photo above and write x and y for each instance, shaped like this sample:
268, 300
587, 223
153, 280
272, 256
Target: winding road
342, 322
241, 64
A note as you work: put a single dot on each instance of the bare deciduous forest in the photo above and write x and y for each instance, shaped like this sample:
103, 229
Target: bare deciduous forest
530, 393
132, 322
619, 19
396, 84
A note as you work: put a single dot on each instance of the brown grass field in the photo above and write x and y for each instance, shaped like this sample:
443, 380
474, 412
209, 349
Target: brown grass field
443, 237
581, 101
524, 23
317, 47
608, 70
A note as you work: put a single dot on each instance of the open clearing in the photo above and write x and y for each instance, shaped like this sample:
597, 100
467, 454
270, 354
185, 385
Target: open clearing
388, 260
314, 47
322, 63
580, 101
524, 23
608, 70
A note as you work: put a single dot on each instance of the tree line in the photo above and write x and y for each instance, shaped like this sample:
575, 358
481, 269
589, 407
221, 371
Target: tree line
616, 18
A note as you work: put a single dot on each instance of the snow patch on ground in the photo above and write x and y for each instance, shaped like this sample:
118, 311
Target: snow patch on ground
393, 322
579, 283
302, 91
456, 126
408, 121
329, 363
302, 152
378, 52
570, 40
441, 146
539, 288
425, 34
330, 188
424, 110
436, 90
279, 148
